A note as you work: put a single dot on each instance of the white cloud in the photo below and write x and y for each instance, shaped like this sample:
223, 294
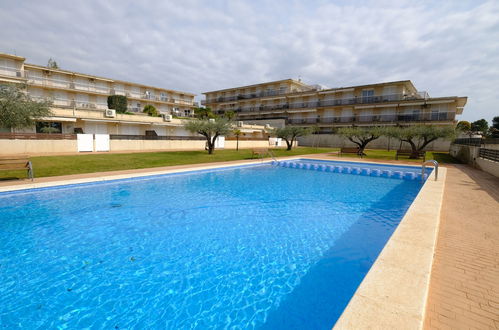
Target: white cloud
445, 47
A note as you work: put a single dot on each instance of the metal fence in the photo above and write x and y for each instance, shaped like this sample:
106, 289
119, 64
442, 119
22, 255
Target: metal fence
37, 136
489, 154
476, 142
153, 137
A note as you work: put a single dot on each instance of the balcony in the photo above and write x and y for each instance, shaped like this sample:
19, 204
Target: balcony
336, 102
245, 96
11, 72
66, 84
378, 119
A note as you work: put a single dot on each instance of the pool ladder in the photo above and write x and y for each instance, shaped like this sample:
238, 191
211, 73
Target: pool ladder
270, 153
435, 164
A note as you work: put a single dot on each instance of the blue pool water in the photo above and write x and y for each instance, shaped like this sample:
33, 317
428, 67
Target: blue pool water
260, 246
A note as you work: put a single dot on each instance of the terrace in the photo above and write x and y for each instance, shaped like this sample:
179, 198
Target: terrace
382, 118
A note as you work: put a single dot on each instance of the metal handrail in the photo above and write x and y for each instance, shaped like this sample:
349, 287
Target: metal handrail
271, 154
435, 164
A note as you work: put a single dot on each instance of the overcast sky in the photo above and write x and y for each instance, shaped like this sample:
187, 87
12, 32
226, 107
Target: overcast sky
445, 47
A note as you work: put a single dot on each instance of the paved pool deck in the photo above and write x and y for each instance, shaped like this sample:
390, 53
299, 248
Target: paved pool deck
464, 284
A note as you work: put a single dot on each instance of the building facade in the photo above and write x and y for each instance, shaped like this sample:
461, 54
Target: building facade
79, 101
390, 103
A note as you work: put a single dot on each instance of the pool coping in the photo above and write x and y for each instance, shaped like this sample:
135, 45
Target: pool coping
394, 292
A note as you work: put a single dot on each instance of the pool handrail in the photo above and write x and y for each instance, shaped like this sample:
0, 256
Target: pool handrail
435, 164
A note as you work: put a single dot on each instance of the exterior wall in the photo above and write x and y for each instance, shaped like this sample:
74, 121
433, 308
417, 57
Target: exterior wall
47, 147
31, 147
337, 141
469, 155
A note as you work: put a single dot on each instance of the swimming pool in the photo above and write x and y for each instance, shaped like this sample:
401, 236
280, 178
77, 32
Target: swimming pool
258, 246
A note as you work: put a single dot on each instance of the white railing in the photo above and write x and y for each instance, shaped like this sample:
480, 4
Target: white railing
10, 71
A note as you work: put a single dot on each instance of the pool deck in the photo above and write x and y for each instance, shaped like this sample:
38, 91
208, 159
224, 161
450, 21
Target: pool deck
463, 290
464, 287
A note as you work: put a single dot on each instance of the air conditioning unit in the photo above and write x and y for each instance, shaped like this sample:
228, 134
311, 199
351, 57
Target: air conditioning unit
240, 124
167, 117
110, 113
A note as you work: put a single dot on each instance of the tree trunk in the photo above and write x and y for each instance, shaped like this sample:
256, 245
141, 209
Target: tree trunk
414, 149
237, 143
362, 146
290, 145
425, 143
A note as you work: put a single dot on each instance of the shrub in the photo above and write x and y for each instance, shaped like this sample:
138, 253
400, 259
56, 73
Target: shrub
118, 103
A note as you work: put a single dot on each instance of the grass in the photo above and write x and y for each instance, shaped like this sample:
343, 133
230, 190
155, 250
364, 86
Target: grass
45, 166
88, 163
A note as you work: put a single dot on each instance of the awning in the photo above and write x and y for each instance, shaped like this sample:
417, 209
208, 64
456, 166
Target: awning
440, 102
309, 110
56, 119
412, 103
116, 121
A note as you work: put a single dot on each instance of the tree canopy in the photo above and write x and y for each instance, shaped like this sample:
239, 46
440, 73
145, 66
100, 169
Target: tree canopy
118, 103
18, 110
480, 126
203, 113
419, 136
464, 126
151, 110
290, 133
362, 136
210, 128
52, 64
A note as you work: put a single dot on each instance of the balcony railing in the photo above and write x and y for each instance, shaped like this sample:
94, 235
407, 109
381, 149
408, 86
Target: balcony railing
246, 96
344, 101
66, 84
390, 118
329, 103
12, 72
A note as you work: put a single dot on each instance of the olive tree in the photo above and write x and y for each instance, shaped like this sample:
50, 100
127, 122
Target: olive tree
18, 110
419, 136
211, 129
118, 103
203, 113
362, 136
290, 133
151, 110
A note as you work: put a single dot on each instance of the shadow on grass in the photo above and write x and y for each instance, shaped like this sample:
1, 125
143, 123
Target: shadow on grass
445, 157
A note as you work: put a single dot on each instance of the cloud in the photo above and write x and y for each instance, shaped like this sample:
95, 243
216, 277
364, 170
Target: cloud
445, 47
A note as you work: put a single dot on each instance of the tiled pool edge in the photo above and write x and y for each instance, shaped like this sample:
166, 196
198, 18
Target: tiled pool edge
109, 177
394, 293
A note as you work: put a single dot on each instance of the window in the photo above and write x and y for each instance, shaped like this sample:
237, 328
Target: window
367, 95
48, 127
416, 114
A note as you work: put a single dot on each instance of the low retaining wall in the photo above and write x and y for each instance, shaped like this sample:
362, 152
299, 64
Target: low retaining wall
337, 141
469, 155
17, 147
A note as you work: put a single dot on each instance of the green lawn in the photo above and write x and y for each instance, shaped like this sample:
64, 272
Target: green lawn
88, 163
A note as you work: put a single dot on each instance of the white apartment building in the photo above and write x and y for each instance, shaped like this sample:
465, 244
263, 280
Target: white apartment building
296, 103
79, 101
